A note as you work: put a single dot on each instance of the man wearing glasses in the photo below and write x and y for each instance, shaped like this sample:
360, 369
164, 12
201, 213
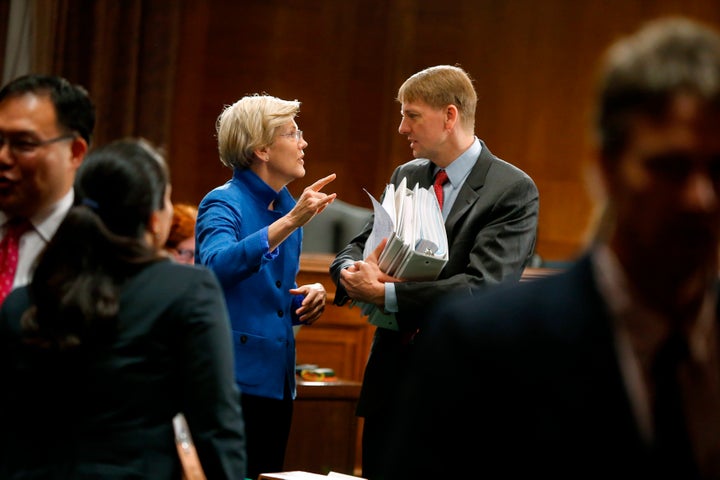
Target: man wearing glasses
46, 125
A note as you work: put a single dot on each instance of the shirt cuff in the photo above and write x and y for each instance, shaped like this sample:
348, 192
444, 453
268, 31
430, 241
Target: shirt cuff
391, 305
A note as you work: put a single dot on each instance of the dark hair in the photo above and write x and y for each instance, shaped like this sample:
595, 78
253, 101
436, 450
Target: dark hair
73, 107
124, 182
100, 243
645, 71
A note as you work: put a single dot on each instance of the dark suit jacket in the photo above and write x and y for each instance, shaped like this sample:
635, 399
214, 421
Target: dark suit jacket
491, 233
521, 382
108, 413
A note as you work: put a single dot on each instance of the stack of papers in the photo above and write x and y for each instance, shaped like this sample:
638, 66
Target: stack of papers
417, 246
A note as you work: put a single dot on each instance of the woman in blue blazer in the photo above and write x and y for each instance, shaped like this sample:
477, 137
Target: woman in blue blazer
249, 233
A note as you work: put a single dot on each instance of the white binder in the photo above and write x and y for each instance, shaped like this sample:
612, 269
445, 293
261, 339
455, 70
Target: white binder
417, 247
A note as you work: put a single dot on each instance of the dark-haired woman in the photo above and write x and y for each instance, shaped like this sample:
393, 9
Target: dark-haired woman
112, 339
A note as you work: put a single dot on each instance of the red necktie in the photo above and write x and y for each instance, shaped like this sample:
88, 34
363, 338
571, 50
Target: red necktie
441, 179
9, 254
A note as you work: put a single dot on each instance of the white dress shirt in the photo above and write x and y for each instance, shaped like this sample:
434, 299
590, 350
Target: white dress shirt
45, 224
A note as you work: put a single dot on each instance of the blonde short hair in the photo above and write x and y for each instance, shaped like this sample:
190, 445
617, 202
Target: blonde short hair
440, 86
249, 124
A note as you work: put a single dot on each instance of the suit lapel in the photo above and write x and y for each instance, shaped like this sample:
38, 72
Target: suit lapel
593, 325
470, 190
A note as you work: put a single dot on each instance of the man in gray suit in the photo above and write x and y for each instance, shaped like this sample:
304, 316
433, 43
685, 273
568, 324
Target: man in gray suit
610, 369
491, 212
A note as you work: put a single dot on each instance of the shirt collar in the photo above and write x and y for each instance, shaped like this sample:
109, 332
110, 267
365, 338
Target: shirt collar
46, 222
648, 329
460, 168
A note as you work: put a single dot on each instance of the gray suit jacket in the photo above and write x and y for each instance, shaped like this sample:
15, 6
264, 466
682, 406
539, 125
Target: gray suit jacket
491, 231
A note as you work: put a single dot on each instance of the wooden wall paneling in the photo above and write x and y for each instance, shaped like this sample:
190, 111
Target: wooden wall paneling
115, 90
565, 238
124, 53
193, 169
157, 63
324, 64
72, 54
331, 343
325, 432
4, 14
533, 62
341, 338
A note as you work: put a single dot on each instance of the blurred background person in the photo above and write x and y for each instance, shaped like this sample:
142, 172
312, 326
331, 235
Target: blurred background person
181, 240
112, 339
610, 369
46, 126
249, 233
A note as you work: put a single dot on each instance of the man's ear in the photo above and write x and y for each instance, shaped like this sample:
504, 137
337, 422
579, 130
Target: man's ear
451, 116
79, 148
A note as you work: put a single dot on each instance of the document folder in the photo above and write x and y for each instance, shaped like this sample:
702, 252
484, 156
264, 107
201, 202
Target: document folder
417, 247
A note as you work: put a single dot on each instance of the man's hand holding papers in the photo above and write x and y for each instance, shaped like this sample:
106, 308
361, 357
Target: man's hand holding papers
366, 273
408, 242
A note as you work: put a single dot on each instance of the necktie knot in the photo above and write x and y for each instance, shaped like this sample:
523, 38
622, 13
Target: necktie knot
17, 227
441, 178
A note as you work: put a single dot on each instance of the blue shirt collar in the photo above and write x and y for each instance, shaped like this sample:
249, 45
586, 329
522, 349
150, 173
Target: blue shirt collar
460, 168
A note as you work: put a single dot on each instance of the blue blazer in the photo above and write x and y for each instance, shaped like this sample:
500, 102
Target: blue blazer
232, 239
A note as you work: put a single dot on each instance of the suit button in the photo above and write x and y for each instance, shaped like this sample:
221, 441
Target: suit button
243, 339
278, 284
280, 313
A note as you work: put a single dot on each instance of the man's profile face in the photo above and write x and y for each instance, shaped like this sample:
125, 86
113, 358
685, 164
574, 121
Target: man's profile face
666, 184
32, 179
424, 127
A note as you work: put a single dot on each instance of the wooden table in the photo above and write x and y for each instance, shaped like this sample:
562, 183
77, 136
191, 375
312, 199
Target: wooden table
325, 431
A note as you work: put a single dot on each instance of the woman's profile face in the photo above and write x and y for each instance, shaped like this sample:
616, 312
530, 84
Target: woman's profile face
286, 155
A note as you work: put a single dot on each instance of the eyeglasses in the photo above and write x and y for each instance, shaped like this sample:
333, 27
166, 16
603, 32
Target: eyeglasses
20, 146
186, 254
298, 134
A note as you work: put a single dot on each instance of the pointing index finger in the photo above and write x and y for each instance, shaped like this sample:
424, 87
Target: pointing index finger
318, 185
